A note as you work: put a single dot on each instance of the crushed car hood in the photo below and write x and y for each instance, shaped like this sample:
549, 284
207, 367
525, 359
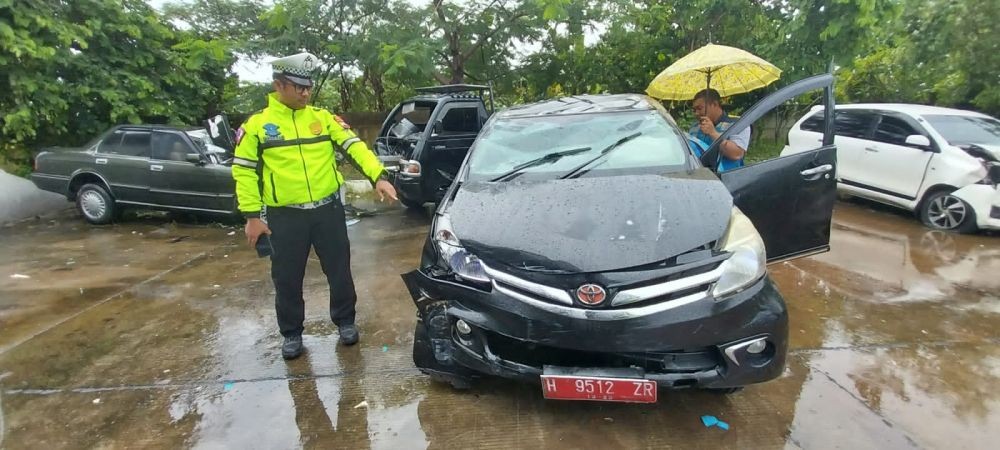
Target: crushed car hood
590, 224
990, 153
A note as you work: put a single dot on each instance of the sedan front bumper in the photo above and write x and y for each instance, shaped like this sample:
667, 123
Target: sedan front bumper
695, 344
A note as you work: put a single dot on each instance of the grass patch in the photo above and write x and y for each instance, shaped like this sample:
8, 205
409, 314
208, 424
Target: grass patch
763, 150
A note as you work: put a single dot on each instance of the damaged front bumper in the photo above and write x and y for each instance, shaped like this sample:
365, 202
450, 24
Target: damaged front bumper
464, 332
985, 202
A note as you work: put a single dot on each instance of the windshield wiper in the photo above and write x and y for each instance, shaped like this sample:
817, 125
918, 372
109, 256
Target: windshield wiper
548, 158
578, 169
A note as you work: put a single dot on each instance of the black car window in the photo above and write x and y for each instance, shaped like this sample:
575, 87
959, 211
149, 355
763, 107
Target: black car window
170, 147
460, 120
847, 123
133, 143
893, 130
853, 124
111, 143
813, 123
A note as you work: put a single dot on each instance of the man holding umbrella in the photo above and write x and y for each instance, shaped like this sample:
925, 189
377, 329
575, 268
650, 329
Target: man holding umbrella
707, 74
712, 121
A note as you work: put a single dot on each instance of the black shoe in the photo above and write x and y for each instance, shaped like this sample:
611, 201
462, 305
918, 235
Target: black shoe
292, 347
349, 334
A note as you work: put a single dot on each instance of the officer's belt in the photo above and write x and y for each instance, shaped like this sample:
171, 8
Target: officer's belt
316, 204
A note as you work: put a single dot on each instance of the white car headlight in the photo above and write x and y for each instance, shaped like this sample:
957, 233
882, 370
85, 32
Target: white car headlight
466, 265
748, 262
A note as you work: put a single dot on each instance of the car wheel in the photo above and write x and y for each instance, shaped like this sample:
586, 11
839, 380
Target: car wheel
95, 204
943, 211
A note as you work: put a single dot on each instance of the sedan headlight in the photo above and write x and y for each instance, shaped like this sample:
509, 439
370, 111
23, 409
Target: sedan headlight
465, 265
748, 262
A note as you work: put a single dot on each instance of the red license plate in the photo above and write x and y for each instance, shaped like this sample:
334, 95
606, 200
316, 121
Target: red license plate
629, 390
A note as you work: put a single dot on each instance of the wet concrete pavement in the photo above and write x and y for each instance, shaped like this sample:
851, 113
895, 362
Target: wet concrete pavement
153, 334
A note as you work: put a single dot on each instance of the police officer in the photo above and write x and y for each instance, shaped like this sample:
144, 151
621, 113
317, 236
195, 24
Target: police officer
287, 187
712, 122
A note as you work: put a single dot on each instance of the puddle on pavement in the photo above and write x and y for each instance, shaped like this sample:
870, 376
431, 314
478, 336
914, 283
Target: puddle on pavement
191, 359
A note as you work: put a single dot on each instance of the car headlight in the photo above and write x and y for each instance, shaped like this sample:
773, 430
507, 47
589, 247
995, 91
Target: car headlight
463, 263
748, 262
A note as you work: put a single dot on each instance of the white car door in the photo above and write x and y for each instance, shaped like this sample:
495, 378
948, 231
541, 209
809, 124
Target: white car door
852, 127
889, 166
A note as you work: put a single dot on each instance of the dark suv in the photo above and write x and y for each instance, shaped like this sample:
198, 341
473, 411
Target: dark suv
429, 135
584, 246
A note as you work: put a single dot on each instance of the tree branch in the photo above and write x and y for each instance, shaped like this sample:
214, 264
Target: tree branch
509, 22
441, 78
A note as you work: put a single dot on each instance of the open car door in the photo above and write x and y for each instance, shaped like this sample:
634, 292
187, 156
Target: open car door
789, 199
221, 133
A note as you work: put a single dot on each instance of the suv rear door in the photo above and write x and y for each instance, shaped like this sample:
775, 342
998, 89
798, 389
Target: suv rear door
889, 165
789, 199
455, 127
852, 128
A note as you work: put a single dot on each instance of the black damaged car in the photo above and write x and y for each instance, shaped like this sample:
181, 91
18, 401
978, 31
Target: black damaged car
582, 245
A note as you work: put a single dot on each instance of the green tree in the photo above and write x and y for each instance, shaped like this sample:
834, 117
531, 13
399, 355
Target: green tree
72, 69
479, 31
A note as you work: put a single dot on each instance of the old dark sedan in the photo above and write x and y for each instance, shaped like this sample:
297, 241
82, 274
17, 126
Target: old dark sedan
143, 166
583, 246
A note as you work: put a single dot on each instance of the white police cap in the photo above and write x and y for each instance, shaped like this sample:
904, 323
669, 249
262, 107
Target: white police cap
297, 68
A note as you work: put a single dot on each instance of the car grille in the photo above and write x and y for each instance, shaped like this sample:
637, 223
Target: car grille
691, 281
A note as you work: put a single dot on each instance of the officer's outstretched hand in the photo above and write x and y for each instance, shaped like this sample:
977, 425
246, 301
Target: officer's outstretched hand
255, 228
384, 189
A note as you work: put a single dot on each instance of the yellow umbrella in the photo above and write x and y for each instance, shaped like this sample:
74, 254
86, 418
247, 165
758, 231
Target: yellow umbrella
728, 70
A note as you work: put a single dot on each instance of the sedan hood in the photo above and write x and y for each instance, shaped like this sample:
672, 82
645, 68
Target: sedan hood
590, 224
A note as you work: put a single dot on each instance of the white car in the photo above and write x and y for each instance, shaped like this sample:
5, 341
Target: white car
943, 164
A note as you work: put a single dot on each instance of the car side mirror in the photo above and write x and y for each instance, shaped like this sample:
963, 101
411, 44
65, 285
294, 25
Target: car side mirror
437, 128
194, 158
918, 140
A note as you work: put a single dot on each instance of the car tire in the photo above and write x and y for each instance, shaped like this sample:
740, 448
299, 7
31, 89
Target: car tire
943, 211
96, 205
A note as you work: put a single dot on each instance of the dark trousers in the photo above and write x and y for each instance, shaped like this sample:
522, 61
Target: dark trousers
294, 231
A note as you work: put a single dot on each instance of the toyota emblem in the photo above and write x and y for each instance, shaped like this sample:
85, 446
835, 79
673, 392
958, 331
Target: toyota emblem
591, 294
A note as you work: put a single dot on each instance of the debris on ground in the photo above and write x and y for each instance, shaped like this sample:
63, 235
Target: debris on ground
352, 221
363, 404
385, 348
18, 276
97, 401
609, 419
712, 421
178, 239
231, 233
227, 386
